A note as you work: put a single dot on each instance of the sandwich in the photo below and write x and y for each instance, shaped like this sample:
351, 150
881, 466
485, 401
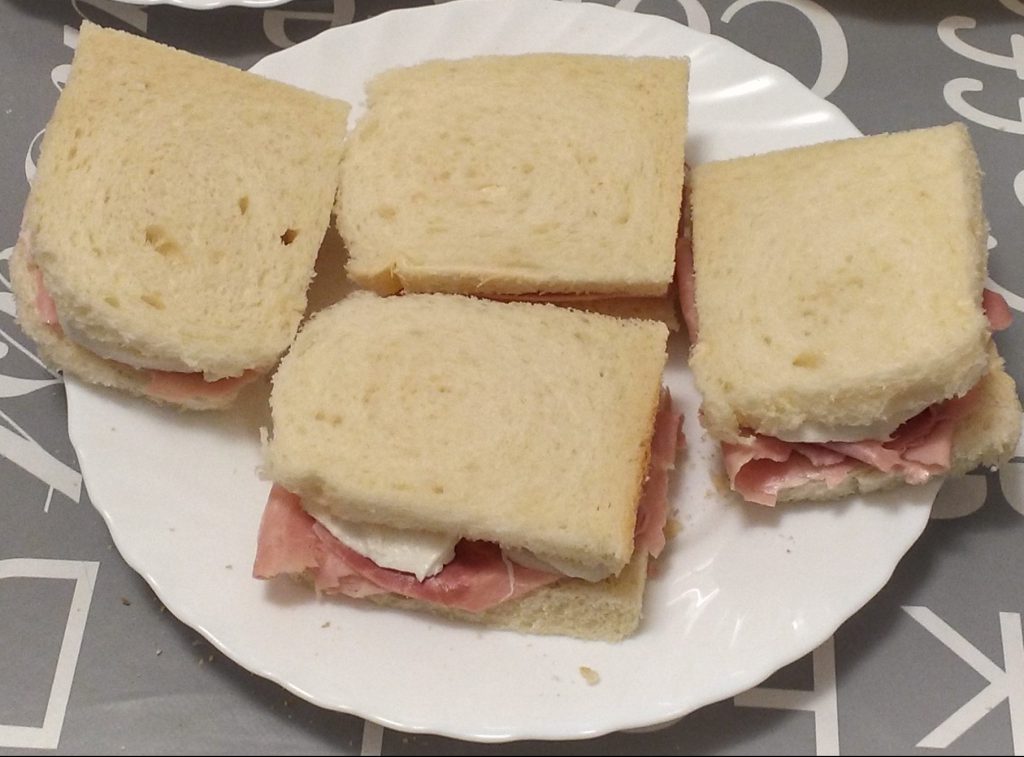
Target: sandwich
172, 227
841, 337
500, 463
550, 177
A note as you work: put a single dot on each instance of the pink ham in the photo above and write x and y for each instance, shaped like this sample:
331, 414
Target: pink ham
286, 543
761, 480
762, 466
477, 579
291, 542
652, 510
175, 387
684, 267
998, 312
44, 302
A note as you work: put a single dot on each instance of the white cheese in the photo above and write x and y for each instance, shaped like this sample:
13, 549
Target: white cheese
421, 553
528, 559
818, 432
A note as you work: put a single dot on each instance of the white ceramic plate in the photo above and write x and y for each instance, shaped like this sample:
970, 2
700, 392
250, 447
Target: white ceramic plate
741, 592
204, 5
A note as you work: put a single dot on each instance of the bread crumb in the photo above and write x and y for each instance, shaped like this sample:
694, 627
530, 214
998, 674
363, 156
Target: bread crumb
672, 528
229, 566
159, 652
721, 482
126, 602
326, 624
590, 675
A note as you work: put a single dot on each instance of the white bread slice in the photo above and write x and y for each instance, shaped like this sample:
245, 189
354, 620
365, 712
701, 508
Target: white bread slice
986, 436
527, 425
840, 283
662, 309
178, 206
647, 308
542, 173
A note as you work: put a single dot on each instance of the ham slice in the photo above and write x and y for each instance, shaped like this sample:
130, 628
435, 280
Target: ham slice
175, 387
477, 578
999, 315
291, 542
44, 302
289, 545
286, 542
652, 510
761, 466
684, 267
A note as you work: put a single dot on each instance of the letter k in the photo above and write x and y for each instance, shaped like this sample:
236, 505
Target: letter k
1003, 684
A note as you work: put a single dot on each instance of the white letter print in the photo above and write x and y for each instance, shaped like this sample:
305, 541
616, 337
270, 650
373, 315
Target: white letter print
835, 55
1003, 685
274, 20
83, 574
821, 700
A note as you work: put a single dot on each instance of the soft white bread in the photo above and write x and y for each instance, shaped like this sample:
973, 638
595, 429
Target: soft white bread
56, 350
648, 308
527, 425
662, 309
987, 436
543, 173
178, 207
608, 610
838, 284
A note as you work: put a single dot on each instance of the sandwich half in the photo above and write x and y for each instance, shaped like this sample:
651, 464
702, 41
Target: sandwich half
172, 227
549, 176
840, 332
503, 463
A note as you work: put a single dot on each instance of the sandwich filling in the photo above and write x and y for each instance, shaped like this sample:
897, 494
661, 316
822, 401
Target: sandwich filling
760, 467
357, 561
166, 380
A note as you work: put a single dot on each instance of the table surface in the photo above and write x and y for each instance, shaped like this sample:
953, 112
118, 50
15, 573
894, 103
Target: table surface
91, 662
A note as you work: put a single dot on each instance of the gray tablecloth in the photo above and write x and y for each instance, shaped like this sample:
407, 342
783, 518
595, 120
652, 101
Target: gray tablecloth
91, 662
